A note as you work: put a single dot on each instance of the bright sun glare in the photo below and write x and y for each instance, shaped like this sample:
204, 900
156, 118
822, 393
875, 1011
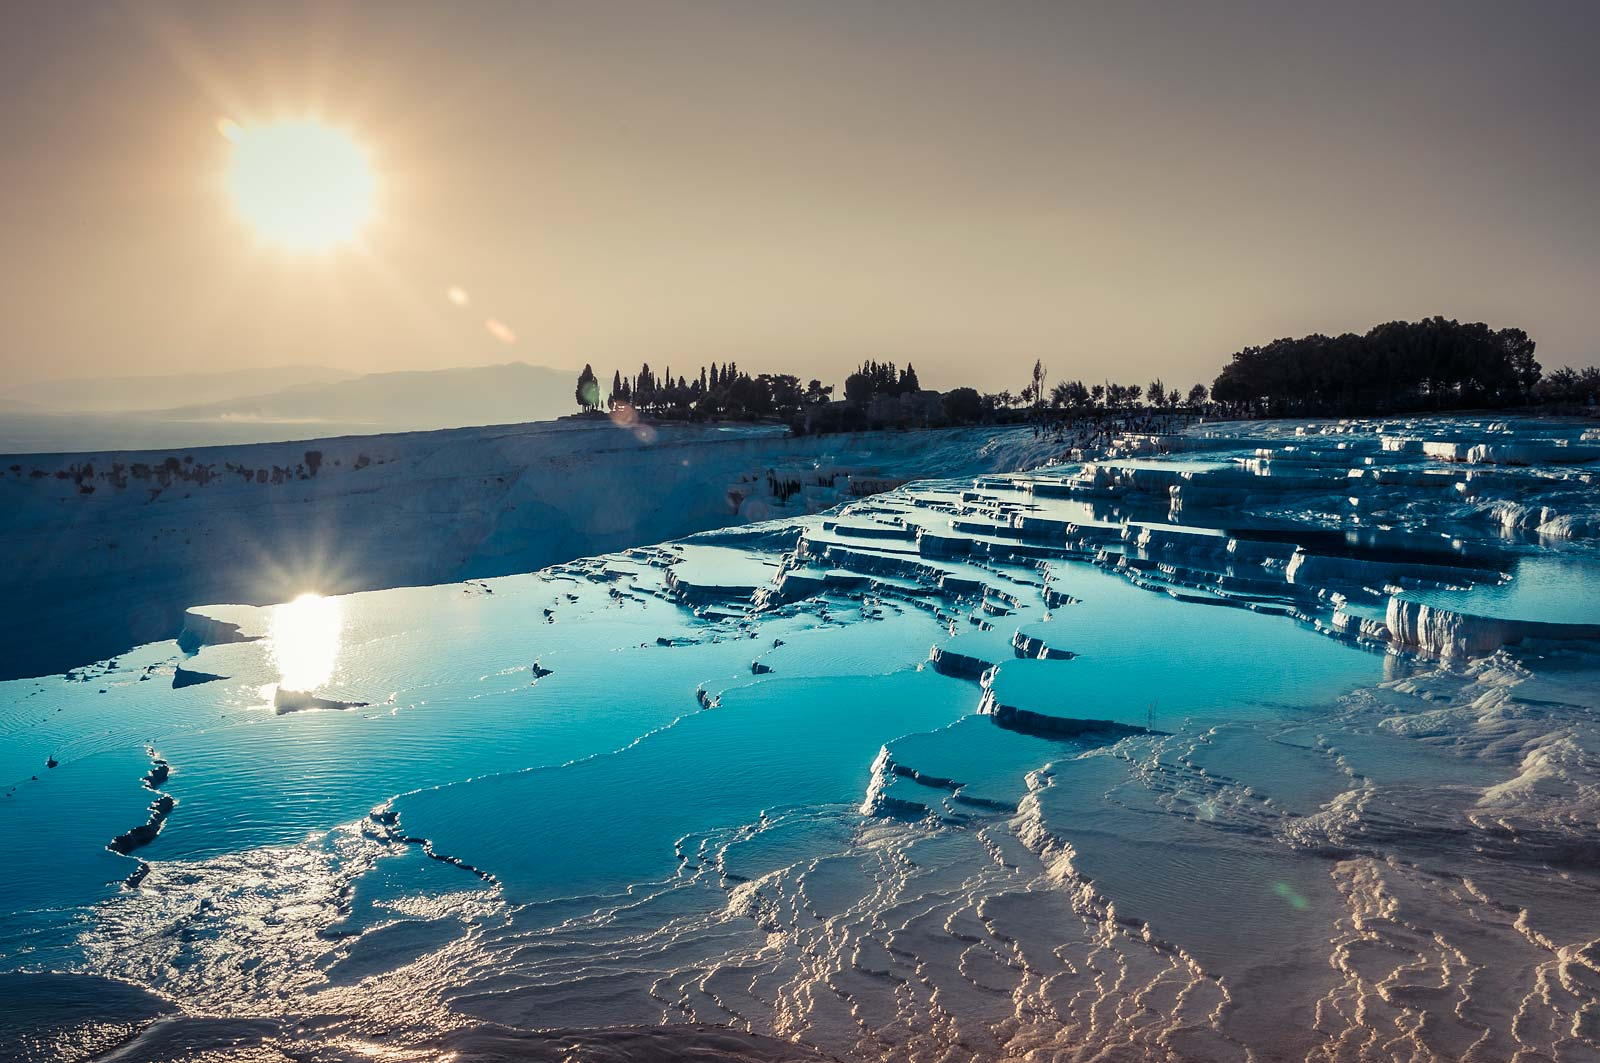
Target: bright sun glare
301, 184
304, 640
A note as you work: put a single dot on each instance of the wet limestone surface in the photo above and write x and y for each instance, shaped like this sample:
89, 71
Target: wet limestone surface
832, 780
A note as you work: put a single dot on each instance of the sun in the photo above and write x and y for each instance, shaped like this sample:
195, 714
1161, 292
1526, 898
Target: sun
300, 184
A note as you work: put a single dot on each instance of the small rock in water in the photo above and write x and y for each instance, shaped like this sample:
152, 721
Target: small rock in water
298, 700
184, 677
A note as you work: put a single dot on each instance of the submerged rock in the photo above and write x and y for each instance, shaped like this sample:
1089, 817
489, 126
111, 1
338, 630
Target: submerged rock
72, 1016
184, 677
299, 700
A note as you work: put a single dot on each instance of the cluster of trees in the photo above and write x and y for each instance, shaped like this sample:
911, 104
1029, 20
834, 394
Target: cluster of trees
876, 395
1075, 397
1570, 387
1400, 365
715, 391
880, 378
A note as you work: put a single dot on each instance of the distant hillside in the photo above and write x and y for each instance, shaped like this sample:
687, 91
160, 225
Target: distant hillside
140, 394
440, 398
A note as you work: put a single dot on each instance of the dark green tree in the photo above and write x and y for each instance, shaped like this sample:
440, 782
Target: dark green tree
962, 406
588, 390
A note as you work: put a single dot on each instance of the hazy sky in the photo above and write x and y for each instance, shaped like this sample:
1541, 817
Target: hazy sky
1116, 188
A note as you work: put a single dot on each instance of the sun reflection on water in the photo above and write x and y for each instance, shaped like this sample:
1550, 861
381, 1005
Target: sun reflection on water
305, 636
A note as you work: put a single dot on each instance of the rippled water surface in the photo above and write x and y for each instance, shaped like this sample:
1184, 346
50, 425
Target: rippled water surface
1071, 758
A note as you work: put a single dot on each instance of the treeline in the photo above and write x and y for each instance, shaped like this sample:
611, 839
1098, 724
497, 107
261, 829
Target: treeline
1569, 387
880, 378
876, 395
715, 391
1073, 395
1397, 366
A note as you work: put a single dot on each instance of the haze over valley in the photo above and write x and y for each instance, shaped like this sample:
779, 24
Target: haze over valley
253, 406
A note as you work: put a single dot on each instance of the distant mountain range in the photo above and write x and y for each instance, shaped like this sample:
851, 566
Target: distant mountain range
297, 403
140, 394
438, 398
